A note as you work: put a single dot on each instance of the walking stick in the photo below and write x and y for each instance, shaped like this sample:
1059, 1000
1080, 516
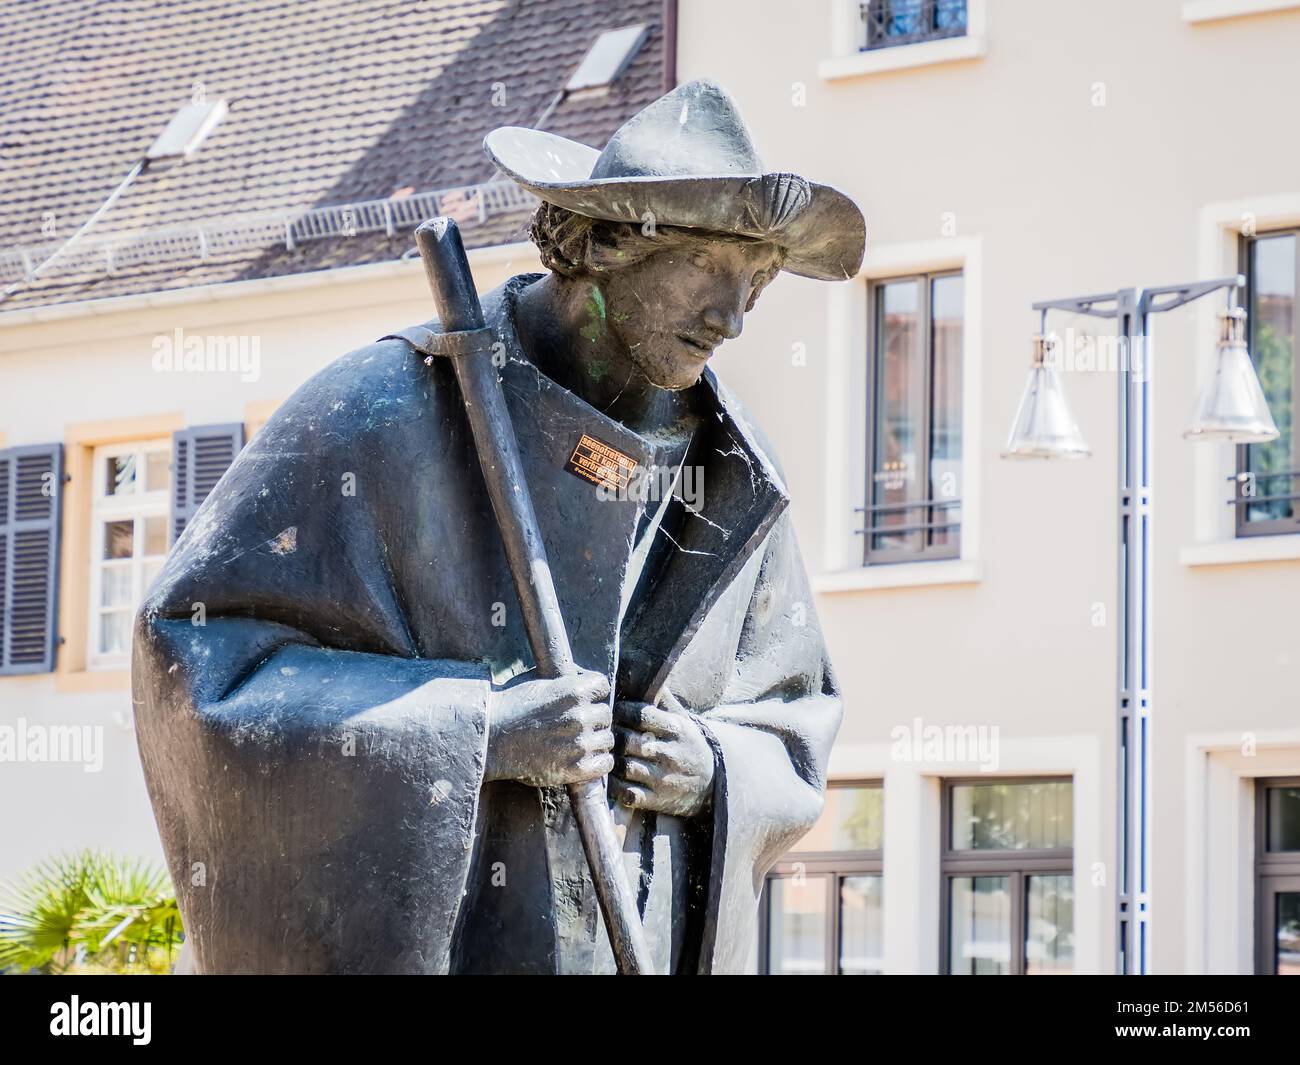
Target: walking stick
468, 341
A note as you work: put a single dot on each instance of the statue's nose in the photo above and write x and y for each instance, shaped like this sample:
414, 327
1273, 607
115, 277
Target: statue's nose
725, 322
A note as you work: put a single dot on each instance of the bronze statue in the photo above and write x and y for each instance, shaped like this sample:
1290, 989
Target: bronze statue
359, 760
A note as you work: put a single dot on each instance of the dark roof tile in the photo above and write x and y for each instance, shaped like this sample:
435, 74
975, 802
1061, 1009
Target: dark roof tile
331, 102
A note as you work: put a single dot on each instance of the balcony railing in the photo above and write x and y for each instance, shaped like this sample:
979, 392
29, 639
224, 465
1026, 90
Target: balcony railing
893, 22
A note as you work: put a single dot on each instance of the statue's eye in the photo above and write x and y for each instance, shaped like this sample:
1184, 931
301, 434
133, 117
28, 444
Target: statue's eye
701, 261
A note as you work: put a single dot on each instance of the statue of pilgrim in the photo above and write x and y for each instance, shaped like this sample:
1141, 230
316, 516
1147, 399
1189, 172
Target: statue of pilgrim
353, 764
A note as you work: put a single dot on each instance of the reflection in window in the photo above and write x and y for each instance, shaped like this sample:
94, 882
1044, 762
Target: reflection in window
1283, 818
1008, 871
1012, 816
796, 926
889, 23
851, 820
1277, 877
915, 443
1265, 471
980, 937
862, 935
1049, 930
824, 900
1287, 957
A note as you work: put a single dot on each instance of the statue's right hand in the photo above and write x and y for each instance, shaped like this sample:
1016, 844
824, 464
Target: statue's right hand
551, 732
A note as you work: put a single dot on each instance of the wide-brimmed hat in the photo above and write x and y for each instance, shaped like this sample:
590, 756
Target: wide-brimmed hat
688, 160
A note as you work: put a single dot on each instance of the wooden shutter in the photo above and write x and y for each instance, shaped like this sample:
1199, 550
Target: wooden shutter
200, 455
31, 498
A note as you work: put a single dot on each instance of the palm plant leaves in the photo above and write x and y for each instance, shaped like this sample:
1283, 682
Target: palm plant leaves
115, 913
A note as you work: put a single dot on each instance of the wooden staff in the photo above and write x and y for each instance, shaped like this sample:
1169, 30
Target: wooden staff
469, 343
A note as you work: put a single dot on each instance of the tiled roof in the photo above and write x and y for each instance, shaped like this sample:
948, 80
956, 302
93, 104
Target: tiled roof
331, 102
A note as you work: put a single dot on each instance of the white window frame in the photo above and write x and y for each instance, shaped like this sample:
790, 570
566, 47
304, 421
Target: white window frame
913, 800
1198, 11
104, 508
847, 62
1219, 843
844, 462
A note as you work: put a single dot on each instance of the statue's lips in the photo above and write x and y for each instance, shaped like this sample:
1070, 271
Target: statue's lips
698, 348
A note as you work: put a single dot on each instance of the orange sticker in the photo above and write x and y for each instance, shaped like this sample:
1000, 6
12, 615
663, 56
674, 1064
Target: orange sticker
602, 465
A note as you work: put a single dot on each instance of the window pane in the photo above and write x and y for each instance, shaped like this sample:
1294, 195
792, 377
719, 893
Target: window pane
950, 14
862, 941
1032, 815
115, 632
1287, 958
979, 942
1284, 819
796, 926
1049, 925
119, 539
947, 323
851, 820
157, 475
909, 20
115, 585
119, 477
898, 412
1272, 310
155, 534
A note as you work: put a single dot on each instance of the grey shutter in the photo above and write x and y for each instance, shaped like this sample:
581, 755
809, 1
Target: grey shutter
31, 503
200, 455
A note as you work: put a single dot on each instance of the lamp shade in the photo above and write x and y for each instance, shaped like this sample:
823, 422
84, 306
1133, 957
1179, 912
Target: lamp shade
1045, 427
1231, 407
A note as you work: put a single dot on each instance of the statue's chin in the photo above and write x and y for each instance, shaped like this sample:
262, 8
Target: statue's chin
676, 386
677, 380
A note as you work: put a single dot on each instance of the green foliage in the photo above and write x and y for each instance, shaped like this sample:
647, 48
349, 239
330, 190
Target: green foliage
89, 912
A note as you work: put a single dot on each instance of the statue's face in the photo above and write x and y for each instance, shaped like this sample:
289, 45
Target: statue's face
672, 309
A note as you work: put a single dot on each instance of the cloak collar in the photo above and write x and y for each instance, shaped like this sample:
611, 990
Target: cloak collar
703, 541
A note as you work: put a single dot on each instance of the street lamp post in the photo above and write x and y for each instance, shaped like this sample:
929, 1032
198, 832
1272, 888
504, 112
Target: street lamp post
1231, 409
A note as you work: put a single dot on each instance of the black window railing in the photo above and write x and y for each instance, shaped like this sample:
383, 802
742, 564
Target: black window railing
904, 532
1266, 502
893, 22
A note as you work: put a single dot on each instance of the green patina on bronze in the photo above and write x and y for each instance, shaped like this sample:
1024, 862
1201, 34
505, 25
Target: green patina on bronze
595, 315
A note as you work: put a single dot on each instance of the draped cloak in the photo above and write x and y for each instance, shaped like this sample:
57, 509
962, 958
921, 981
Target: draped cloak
312, 672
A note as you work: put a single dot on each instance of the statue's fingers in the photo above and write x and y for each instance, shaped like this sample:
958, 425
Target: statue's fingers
599, 741
628, 795
594, 766
639, 771
637, 744
662, 723
627, 712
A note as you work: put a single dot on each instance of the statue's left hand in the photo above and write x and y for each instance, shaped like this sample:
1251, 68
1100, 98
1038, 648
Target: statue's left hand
662, 761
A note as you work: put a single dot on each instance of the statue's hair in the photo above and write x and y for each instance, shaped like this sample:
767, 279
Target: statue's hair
573, 245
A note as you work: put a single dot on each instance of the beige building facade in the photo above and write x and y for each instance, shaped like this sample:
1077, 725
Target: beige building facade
90, 378
1050, 150
1025, 151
